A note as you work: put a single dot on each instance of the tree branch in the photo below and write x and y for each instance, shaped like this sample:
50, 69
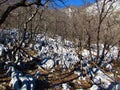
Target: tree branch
22, 3
9, 9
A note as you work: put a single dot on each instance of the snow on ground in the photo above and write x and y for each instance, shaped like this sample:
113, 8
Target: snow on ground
53, 52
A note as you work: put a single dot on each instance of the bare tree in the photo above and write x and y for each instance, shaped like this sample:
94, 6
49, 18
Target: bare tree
21, 3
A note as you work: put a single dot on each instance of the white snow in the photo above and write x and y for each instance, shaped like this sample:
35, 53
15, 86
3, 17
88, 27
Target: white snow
48, 64
94, 87
21, 82
65, 86
53, 52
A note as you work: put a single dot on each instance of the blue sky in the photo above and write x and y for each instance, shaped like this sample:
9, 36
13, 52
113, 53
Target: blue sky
78, 2
75, 3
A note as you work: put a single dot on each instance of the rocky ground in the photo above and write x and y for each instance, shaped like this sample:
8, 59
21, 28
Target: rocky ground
56, 65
